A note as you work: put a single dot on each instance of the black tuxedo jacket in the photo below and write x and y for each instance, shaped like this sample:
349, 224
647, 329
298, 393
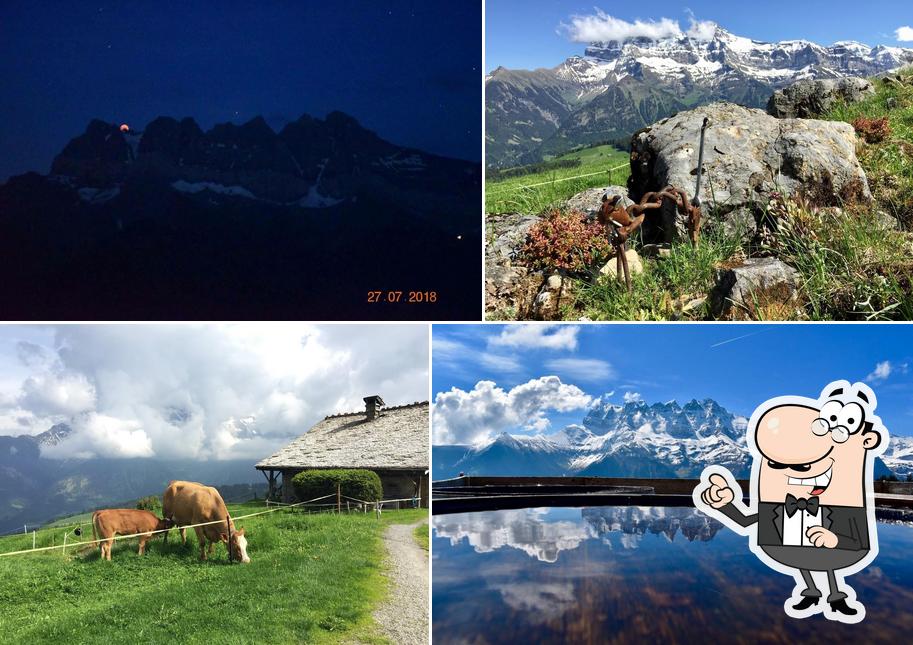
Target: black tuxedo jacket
849, 523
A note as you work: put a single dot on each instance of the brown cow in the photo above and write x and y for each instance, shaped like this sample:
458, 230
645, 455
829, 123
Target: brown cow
124, 521
186, 503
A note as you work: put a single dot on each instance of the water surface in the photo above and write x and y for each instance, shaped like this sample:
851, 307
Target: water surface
638, 574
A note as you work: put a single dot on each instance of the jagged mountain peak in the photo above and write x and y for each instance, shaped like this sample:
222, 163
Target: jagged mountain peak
54, 435
616, 88
310, 163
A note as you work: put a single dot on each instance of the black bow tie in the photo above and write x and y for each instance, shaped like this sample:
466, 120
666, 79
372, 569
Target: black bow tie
809, 505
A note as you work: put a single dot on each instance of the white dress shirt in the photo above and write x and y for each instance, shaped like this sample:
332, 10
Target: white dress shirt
794, 527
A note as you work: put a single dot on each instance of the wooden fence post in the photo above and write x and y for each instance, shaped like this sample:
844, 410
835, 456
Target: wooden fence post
33, 539
64, 543
339, 498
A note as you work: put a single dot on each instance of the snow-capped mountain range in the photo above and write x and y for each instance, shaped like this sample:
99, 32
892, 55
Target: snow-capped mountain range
635, 439
618, 87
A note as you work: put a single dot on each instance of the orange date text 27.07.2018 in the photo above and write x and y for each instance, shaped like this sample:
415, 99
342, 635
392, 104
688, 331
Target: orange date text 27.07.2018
402, 296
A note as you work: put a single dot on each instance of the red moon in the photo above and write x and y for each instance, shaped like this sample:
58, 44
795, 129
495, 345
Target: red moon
124, 127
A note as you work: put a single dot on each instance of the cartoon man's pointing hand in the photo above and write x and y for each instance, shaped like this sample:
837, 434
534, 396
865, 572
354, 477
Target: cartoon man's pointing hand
811, 492
718, 494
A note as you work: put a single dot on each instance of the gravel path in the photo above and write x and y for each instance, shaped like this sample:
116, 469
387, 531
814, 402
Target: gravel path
403, 617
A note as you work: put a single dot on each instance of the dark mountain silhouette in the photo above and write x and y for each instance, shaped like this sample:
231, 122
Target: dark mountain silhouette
240, 222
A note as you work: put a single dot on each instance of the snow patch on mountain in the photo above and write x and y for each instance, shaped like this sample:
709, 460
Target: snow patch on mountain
899, 456
98, 195
411, 162
199, 186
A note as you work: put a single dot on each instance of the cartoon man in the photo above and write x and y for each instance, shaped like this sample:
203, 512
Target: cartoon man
811, 498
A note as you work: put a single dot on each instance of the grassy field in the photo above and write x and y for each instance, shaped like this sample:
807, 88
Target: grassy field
534, 193
312, 578
888, 164
421, 535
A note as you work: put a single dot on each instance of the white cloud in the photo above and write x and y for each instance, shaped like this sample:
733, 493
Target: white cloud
455, 353
537, 337
57, 393
446, 349
884, 369
460, 417
540, 425
601, 27
100, 435
701, 29
500, 363
881, 372
581, 368
206, 391
632, 397
904, 34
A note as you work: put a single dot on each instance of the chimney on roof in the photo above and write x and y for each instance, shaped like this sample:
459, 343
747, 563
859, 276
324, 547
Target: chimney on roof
373, 404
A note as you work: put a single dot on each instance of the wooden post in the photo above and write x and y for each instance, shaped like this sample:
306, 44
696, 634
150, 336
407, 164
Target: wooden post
25, 528
339, 498
33, 539
64, 543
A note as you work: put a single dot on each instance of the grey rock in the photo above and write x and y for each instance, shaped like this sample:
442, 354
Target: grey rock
748, 156
590, 200
887, 221
740, 222
811, 98
509, 233
556, 290
508, 284
757, 281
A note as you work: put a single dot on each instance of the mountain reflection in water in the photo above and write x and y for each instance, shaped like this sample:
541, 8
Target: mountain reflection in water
629, 574
543, 533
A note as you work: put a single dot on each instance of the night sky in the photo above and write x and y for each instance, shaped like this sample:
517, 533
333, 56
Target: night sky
410, 70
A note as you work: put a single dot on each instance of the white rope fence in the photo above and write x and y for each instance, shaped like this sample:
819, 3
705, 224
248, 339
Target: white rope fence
555, 181
133, 535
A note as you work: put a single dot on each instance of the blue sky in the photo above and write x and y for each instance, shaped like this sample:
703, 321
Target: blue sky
740, 366
523, 34
407, 69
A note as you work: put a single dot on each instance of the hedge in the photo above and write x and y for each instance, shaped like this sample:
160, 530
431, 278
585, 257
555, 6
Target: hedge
150, 503
360, 484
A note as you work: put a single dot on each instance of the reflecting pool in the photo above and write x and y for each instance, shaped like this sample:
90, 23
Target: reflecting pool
625, 574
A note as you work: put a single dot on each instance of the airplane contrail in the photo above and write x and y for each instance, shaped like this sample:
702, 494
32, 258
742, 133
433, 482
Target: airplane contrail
731, 340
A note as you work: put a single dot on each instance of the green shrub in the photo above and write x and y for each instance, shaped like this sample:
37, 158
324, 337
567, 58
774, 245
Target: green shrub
566, 240
360, 484
150, 503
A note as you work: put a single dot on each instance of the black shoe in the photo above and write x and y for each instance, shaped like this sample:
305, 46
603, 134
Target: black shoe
843, 608
808, 601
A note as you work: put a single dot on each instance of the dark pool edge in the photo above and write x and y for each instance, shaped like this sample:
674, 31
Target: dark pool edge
502, 502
